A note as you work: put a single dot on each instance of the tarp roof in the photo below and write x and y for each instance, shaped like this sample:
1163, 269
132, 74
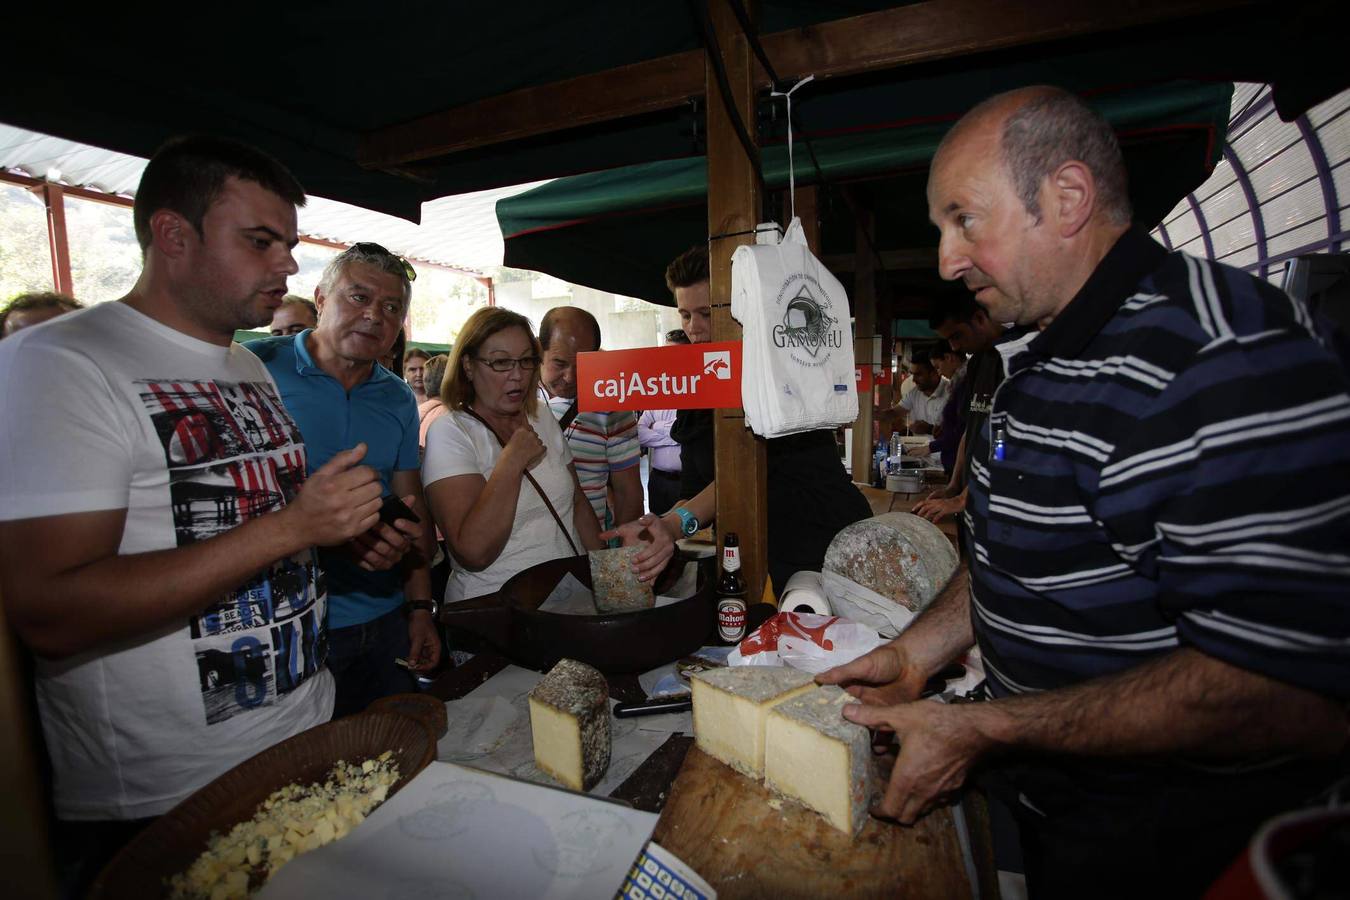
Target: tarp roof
308, 81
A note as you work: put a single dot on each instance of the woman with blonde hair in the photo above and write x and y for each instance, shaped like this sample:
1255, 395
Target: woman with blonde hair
498, 474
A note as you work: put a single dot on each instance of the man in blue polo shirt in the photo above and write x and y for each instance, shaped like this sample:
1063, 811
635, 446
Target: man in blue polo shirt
1158, 532
339, 396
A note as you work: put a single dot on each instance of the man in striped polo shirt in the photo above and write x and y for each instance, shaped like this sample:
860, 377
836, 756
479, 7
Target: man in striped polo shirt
604, 445
1160, 602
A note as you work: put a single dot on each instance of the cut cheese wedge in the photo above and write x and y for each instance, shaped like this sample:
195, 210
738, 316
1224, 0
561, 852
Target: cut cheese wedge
729, 709
569, 721
815, 756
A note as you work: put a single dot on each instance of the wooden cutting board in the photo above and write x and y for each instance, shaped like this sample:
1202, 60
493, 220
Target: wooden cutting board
749, 843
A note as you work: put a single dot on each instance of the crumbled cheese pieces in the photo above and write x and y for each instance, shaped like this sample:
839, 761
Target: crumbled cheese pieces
291, 821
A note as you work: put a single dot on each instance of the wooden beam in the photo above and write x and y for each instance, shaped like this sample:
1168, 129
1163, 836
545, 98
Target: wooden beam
941, 29
643, 87
920, 32
733, 206
53, 197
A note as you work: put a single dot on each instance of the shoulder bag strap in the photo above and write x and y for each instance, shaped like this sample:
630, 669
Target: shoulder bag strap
568, 416
530, 478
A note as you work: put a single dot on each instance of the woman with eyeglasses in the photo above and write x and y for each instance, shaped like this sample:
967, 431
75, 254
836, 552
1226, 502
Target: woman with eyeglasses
497, 472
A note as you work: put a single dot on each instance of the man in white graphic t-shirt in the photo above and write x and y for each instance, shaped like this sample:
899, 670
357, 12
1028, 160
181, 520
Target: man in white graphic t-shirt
156, 525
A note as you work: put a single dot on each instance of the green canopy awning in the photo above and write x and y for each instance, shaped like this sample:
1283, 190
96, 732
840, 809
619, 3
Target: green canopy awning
616, 230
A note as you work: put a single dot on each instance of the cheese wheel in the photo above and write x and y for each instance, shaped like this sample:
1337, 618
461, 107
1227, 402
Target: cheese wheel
901, 556
569, 722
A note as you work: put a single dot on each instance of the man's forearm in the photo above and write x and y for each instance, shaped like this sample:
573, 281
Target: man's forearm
942, 632
417, 583
627, 485
117, 597
583, 516
957, 482
1185, 703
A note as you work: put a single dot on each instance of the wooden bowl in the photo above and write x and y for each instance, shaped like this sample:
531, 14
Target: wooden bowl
170, 845
425, 708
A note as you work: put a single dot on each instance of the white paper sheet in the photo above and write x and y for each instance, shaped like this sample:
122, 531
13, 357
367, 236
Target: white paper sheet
455, 832
490, 729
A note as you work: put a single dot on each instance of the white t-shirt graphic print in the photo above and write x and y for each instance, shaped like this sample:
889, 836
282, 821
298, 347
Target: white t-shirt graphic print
108, 409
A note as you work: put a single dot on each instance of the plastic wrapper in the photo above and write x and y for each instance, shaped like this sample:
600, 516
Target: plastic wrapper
805, 641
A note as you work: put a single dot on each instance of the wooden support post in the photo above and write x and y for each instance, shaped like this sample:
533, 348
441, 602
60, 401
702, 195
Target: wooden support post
733, 206
53, 197
886, 393
864, 327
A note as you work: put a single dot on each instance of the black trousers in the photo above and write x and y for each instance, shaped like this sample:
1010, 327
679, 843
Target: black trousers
1171, 837
663, 491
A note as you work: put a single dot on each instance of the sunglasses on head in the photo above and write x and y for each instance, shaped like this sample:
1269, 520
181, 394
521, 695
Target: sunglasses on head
368, 247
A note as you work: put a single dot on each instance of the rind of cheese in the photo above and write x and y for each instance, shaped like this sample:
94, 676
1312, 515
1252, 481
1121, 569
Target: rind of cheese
615, 585
569, 724
817, 757
898, 555
729, 709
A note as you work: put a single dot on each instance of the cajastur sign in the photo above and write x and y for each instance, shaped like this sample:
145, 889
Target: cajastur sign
686, 376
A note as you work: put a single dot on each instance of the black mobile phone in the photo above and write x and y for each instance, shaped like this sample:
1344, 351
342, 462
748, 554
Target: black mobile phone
393, 509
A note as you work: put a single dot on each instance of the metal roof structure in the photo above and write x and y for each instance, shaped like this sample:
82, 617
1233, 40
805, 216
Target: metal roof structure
458, 232
1282, 189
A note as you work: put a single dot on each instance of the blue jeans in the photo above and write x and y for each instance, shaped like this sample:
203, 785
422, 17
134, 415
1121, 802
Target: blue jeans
361, 658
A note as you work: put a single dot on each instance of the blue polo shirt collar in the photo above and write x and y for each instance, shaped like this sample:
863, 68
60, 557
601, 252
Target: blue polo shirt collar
305, 364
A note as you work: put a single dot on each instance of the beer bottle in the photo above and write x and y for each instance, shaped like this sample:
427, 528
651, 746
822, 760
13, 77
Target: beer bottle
731, 593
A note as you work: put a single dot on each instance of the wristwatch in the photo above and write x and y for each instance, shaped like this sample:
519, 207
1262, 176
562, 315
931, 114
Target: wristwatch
430, 606
688, 521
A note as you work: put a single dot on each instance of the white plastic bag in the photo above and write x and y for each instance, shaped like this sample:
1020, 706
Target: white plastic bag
797, 343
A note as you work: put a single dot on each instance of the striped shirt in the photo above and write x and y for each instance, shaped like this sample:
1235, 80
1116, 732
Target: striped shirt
601, 443
1175, 472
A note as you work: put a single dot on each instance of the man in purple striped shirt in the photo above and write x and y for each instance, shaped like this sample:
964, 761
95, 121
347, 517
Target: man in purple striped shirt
1160, 605
663, 451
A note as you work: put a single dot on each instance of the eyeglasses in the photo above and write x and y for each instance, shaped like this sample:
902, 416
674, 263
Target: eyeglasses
367, 247
506, 364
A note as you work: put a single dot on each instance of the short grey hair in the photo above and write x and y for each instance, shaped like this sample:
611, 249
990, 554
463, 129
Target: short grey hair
1053, 128
357, 254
